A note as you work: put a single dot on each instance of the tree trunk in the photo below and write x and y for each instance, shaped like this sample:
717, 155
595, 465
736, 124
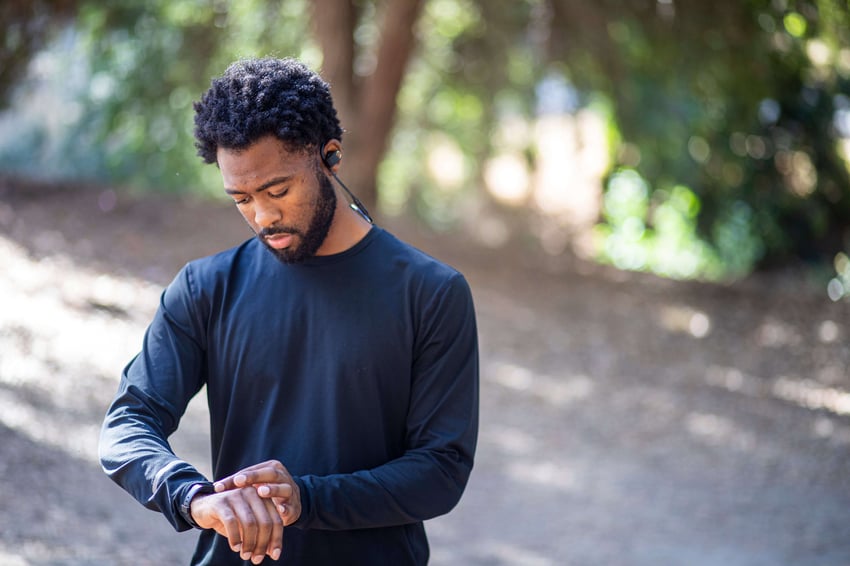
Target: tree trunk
367, 105
27, 28
333, 25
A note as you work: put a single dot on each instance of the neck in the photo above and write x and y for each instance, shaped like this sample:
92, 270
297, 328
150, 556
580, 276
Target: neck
348, 228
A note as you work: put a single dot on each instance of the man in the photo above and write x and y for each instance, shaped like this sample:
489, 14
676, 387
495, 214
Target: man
341, 364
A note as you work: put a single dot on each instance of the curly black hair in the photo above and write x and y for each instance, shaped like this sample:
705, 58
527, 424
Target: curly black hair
258, 97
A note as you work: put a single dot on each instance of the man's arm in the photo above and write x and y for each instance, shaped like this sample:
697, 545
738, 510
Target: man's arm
155, 389
156, 386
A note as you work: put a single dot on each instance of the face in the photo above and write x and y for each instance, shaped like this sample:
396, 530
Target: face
283, 195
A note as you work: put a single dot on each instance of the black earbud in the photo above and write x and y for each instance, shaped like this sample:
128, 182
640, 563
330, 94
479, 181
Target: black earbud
330, 159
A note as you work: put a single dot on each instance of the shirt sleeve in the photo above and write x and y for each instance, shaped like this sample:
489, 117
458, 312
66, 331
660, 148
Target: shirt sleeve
441, 432
156, 386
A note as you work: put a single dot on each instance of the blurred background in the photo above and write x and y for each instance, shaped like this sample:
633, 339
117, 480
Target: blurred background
651, 199
685, 138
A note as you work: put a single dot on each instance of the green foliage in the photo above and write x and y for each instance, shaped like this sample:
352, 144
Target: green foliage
657, 231
135, 70
729, 122
464, 78
738, 101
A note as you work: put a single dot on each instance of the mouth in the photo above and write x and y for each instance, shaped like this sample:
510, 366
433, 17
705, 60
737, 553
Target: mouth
279, 241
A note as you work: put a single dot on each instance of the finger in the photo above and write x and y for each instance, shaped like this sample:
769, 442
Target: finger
239, 522
288, 513
230, 525
247, 525
265, 517
265, 472
279, 490
276, 540
235, 481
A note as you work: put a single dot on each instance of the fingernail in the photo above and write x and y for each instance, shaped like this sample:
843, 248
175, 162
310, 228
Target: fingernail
245, 556
282, 509
218, 487
241, 478
237, 548
257, 559
264, 490
275, 554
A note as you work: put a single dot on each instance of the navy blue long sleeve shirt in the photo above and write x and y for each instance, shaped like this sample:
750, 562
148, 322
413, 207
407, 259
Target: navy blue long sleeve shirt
358, 371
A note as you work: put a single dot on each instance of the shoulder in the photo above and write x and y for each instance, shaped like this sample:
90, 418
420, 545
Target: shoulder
201, 276
431, 280
222, 264
414, 261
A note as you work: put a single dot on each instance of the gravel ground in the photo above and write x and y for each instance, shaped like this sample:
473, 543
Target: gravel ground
626, 420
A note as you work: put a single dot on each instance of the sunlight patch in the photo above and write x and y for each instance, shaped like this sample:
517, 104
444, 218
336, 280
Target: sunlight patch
545, 474
511, 554
777, 334
511, 440
9, 559
719, 431
732, 379
812, 395
63, 329
685, 320
52, 312
828, 332
78, 440
558, 391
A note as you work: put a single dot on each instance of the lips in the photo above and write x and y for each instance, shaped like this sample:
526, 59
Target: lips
279, 241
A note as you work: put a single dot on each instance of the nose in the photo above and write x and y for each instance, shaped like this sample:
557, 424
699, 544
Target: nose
265, 214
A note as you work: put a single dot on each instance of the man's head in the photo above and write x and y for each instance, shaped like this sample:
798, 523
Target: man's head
259, 97
266, 123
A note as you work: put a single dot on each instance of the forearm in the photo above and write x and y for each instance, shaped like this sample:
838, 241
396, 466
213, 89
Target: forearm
135, 454
413, 488
155, 388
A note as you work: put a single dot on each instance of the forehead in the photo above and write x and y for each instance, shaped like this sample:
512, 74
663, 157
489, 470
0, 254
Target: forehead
266, 157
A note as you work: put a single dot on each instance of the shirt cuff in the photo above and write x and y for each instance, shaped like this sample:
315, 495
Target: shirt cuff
303, 519
186, 502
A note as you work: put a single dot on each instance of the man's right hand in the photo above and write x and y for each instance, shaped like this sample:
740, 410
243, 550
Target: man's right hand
251, 524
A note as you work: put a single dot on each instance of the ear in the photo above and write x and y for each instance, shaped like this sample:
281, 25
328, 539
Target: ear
331, 154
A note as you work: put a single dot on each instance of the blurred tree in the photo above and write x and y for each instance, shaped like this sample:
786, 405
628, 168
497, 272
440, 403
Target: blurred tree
365, 54
150, 58
738, 100
143, 63
735, 116
479, 60
27, 28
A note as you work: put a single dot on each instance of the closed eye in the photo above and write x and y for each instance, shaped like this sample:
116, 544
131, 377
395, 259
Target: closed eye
279, 194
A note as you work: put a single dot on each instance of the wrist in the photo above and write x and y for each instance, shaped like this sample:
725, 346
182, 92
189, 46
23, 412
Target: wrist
196, 489
303, 496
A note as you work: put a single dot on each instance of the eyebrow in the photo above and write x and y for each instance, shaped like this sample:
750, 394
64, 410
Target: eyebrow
263, 187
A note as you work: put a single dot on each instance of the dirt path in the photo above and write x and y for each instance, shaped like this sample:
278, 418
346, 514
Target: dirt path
625, 420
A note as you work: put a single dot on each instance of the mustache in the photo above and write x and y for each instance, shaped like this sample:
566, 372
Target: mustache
272, 230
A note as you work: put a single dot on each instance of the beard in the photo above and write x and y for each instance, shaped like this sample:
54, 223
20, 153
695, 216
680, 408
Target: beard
310, 240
